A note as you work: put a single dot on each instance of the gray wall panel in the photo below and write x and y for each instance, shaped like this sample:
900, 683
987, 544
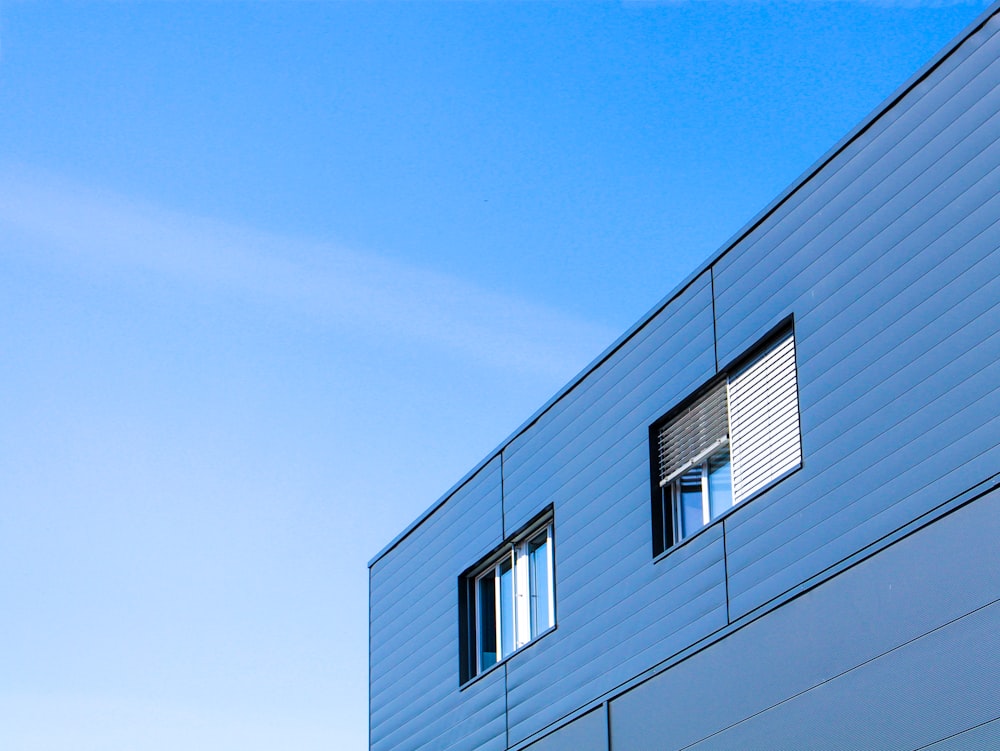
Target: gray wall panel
846, 193
415, 699
889, 261
587, 733
984, 737
865, 389
608, 638
909, 431
478, 722
882, 425
944, 682
617, 613
895, 289
648, 371
902, 593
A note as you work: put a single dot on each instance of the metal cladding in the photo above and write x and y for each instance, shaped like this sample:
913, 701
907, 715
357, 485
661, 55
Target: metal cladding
827, 609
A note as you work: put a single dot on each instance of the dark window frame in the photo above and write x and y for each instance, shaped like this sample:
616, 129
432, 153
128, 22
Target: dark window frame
661, 508
468, 581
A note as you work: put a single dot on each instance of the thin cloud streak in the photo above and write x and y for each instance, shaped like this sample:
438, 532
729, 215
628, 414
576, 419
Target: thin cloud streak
338, 286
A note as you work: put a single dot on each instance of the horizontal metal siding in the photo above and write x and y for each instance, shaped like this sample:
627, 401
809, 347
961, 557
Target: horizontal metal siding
913, 135
617, 612
891, 451
659, 360
904, 592
415, 701
891, 267
985, 736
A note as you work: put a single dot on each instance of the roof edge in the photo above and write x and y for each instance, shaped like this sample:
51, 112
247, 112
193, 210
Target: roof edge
887, 104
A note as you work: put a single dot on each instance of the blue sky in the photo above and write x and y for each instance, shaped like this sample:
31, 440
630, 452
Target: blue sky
273, 276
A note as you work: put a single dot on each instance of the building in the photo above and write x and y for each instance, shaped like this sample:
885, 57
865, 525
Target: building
768, 516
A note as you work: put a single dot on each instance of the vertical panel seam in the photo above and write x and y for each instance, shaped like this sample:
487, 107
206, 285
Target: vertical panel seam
369, 658
506, 709
715, 332
607, 720
725, 570
503, 508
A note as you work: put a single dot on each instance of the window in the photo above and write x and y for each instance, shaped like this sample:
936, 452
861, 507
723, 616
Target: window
507, 600
738, 436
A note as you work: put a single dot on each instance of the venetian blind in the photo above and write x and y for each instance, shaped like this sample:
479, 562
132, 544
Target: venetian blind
764, 419
693, 434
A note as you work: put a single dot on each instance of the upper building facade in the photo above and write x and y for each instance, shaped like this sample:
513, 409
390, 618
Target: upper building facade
768, 516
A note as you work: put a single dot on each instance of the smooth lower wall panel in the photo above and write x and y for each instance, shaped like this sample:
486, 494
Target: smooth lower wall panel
922, 585
617, 612
586, 733
937, 686
415, 700
602, 649
895, 289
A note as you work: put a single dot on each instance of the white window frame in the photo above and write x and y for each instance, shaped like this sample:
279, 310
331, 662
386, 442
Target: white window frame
673, 483
517, 553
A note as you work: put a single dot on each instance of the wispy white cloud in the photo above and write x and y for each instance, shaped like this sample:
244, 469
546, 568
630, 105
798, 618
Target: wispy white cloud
339, 286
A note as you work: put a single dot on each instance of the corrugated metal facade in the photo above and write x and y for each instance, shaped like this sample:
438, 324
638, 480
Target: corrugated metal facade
887, 260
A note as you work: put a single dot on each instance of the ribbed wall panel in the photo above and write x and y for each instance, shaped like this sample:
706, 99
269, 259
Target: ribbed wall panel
413, 683
906, 592
985, 736
949, 346
617, 613
888, 261
667, 358
903, 490
884, 167
893, 281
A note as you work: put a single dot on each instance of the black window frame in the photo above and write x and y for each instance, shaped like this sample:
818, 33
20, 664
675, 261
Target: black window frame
661, 508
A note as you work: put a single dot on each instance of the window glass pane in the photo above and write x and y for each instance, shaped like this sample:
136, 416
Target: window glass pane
690, 507
487, 621
506, 608
539, 582
720, 483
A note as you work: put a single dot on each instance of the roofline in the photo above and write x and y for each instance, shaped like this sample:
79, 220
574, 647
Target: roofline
891, 101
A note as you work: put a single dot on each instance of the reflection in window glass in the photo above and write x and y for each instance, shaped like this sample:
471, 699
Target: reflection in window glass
512, 600
702, 493
487, 622
691, 512
538, 568
720, 484
506, 608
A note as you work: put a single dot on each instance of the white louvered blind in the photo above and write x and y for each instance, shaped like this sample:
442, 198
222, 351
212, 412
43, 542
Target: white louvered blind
764, 419
693, 434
